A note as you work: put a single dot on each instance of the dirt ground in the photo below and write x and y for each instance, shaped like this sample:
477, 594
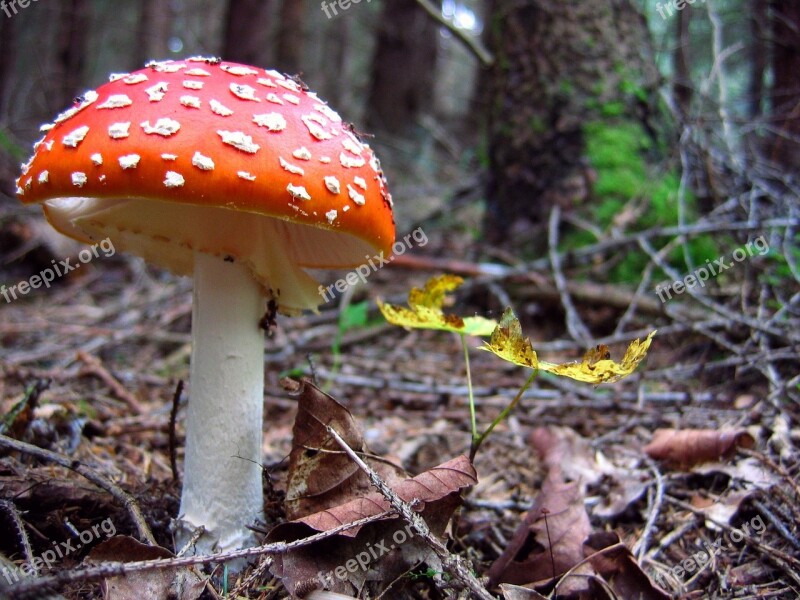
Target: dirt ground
90, 367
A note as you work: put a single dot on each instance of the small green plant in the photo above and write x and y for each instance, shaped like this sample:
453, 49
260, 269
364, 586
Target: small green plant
506, 342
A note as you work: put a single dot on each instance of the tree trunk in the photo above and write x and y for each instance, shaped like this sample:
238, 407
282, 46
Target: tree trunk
336, 67
560, 64
785, 92
71, 52
8, 52
289, 56
153, 32
403, 68
682, 84
759, 30
247, 32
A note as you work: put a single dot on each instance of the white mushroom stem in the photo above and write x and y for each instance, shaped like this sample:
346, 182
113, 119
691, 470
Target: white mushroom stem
222, 489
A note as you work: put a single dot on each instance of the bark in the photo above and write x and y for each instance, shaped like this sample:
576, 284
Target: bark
336, 64
560, 64
71, 52
8, 52
785, 92
403, 68
247, 37
682, 85
153, 32
289, 51
759, 29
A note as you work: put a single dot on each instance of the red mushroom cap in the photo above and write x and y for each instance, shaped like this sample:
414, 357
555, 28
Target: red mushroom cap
219, 157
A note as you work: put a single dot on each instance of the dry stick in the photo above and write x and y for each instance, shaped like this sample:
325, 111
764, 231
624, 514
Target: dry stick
452, 563
576, 327
472, 45
9, 507
640, 547
720, 310
124, 497
173, 436
119, 569
95, 367
783, 560
29, 400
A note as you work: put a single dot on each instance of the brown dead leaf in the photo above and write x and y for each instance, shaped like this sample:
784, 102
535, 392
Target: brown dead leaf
515, 592
615, 563
688, 447
379, 551
564, 448
321, 475
178, 583
550, 537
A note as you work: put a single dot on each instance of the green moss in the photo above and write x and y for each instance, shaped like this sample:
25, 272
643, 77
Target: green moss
617, 151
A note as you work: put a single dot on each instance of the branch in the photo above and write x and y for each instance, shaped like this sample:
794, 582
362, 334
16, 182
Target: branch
117, 492
473, 45
452, 562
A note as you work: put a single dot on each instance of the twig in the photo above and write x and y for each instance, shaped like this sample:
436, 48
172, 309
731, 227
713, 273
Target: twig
785, 561
575, 325
19, 525
95, 367
122, 496
173, 436
30, 399
474, 46
452, 563
640, 548
117, 569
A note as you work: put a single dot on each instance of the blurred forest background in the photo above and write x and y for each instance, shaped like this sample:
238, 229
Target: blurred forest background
575, 104
572, 157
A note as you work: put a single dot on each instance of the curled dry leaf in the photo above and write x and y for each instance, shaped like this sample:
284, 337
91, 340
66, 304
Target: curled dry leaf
378, 551
615, 563
325, 490
425, 310
595, 367
688, 447
177, 583
550, 537
564, 448
320, 474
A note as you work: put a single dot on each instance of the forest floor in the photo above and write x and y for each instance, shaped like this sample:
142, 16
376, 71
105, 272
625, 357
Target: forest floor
92, 366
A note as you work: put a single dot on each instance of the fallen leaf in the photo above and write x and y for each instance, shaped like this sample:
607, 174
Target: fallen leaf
507, 343
688, 447
565, 449
515, 592
379, 551
550, 537
425, 310
321, 475
615, 563
176, 583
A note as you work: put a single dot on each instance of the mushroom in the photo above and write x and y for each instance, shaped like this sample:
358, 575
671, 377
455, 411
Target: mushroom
243, 178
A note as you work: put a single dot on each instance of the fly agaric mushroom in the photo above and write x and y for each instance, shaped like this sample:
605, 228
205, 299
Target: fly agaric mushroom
243, 178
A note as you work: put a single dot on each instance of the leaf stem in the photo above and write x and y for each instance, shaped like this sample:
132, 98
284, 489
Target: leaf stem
477, 441
473, 421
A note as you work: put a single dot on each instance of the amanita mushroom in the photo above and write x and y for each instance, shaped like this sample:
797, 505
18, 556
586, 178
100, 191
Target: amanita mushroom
244, 178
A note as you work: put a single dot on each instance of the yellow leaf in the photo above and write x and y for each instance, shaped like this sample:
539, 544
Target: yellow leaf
425, 310
596, 367
507, 342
